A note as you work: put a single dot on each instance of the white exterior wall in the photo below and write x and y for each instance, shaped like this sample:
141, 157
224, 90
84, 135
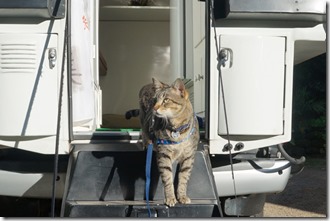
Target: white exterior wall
31, 123
217, 138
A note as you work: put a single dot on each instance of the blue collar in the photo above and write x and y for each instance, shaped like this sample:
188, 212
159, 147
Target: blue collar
177, 134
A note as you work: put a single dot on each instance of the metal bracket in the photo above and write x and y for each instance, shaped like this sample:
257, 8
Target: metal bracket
56, 8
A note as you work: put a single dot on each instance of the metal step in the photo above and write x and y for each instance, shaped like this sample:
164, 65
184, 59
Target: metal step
110, 182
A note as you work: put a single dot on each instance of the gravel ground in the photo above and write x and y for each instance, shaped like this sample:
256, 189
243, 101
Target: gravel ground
304, 196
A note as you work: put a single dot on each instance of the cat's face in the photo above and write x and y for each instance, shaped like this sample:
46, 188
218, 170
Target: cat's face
171, 100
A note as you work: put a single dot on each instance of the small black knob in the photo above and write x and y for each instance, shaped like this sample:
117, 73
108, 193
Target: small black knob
227, 147
239, 146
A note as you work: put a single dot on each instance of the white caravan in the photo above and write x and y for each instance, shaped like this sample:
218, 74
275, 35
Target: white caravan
69, 71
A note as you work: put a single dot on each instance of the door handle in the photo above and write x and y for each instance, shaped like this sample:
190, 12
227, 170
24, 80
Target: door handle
52, 57
225, 58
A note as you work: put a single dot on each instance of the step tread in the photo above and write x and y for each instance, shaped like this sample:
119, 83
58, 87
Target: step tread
134, 202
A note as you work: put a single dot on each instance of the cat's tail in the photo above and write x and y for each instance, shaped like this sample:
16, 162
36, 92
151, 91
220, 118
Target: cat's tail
132, 113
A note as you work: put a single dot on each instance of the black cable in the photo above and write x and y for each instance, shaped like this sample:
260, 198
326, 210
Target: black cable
58, 129
69, 71
289, 158
229, 146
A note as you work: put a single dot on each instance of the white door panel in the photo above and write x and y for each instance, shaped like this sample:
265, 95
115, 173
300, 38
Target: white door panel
253, 81
28, 85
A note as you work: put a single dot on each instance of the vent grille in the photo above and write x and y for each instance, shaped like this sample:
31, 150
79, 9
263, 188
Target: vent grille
18, 58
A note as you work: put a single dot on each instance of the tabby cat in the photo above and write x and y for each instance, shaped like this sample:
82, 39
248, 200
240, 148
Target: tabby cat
168, 121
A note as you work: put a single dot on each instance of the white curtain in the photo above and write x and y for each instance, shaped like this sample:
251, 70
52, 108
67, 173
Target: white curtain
82, 57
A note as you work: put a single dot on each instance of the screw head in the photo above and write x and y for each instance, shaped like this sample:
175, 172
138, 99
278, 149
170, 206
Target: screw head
239, 146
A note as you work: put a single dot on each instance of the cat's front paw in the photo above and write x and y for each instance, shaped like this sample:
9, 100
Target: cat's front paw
184, 199
170, 201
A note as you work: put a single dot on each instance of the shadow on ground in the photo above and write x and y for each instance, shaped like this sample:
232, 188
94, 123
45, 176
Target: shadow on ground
25, 207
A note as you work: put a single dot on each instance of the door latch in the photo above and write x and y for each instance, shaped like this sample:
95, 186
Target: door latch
225, 58
52, 57
199, 77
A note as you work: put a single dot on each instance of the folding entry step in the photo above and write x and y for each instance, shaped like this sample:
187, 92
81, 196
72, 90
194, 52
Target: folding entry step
108, 180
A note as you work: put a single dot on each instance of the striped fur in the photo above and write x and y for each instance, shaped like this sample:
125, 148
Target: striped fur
163, 107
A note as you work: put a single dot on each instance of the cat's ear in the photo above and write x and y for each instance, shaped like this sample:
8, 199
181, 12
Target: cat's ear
179, 85
158, 84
